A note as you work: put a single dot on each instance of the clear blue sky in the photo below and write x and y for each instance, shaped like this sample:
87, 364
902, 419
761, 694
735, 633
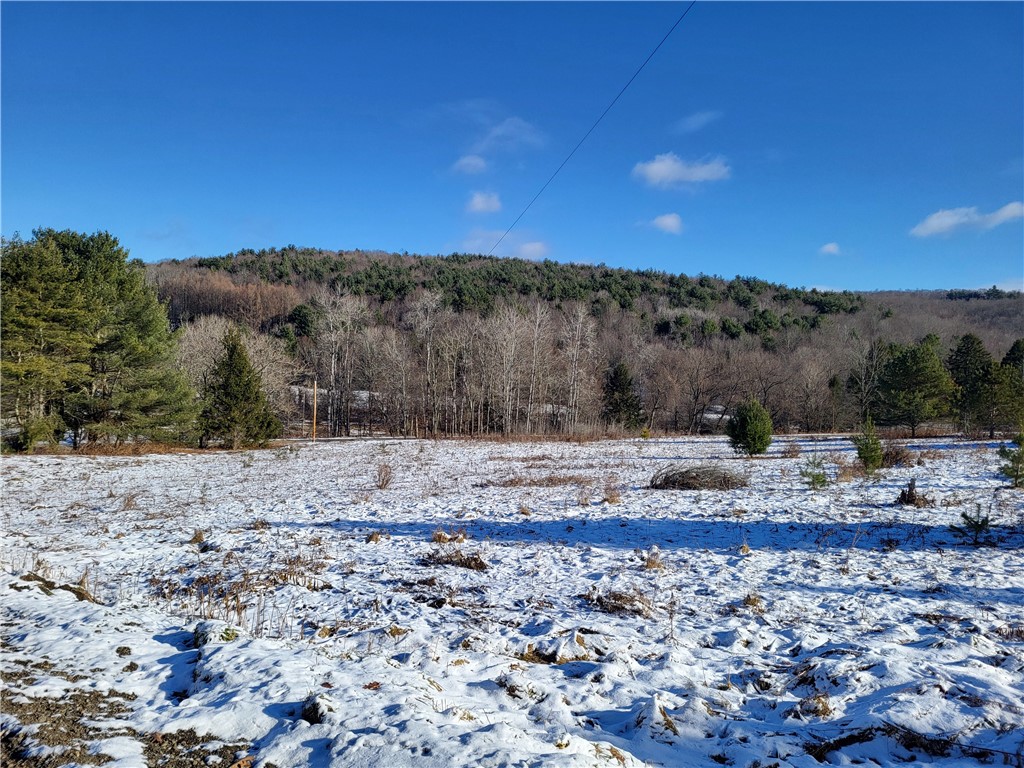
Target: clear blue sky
843, 145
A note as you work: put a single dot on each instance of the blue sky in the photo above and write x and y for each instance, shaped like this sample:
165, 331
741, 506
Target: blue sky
843, 145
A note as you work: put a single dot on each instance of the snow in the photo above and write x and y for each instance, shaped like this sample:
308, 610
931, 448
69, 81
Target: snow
281, 600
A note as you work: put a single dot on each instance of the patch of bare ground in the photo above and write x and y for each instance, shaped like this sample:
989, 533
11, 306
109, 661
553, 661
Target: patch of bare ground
50, 732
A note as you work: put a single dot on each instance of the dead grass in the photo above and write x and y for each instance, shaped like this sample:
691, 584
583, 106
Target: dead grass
621, 602
791, 450
448, 554
896, 455
612, 495
701, 478
440, 536
817, 705
544, 481
928, 454
911, 497
652, 559
1012, 632
384, 475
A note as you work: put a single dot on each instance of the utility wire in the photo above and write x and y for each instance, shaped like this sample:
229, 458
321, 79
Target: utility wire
596, 123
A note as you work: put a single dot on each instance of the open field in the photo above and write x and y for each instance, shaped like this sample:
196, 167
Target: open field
478, 603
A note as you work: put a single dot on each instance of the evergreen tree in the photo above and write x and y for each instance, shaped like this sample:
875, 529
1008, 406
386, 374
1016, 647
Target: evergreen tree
914, 385
1014, 457
869, 447
87, 345
621, 402
1002, 399
235, 409
970, 366
1014, 357
750, 429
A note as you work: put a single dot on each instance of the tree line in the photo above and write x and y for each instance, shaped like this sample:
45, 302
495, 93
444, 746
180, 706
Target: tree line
89, 350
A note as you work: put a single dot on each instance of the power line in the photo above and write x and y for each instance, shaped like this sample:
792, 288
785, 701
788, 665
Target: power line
596, 123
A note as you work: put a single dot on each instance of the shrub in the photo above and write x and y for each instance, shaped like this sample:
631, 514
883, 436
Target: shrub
385, 474
814, 473
1014, 457
703, 478
750, 429
869, 447
896, 455
975, 526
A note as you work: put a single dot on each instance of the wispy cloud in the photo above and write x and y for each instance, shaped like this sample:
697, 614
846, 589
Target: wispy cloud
696, 121
668, 222
482, 240
470, 165
483, 202
534, 250
668, 171
949, 220
510, 134
829, 249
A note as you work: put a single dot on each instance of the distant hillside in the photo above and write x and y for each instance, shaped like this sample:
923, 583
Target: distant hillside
468, 344
474, 283
263, 287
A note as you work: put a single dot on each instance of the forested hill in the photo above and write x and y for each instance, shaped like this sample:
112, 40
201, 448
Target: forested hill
265, 288
474, 283
469, 345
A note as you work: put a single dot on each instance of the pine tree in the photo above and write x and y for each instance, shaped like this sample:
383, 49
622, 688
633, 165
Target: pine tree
750, 428
969, 365
914, 385
1014, 457
235, 409
869, 447
1014, 357
1002, 399
87, 345
621, 403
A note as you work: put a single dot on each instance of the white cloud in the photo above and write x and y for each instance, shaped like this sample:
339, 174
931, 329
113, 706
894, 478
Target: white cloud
668, 222
510, 134
668, 170
482, 240
949, 220
470, 165
696, 121
534, 251
483, 202
829, 249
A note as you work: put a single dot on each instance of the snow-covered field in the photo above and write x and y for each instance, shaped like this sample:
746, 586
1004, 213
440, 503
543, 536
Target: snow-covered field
278, 608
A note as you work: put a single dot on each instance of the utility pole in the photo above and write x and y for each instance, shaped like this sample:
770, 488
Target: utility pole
314, 410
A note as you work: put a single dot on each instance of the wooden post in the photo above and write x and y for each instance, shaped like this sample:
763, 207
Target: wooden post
314, 410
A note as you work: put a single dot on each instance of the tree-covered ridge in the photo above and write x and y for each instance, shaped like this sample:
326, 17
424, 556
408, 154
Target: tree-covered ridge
469, 282
989, 294
469, 345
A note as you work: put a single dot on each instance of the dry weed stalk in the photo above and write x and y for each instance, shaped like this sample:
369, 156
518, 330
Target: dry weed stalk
385, 474
791, 450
